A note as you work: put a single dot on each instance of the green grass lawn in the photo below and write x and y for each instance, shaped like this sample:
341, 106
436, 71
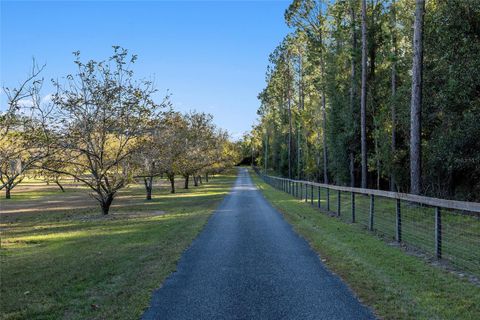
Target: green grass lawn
396, 285
78, 264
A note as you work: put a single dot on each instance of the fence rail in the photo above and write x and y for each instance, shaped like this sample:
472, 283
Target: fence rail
446, 230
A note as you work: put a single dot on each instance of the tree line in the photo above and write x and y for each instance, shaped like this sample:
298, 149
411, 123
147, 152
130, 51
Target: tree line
103, 128
375, 93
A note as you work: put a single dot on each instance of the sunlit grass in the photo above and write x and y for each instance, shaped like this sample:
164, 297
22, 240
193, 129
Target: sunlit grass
78, 264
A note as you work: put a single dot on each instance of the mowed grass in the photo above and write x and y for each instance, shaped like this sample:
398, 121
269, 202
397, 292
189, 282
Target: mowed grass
77, 264
396, 285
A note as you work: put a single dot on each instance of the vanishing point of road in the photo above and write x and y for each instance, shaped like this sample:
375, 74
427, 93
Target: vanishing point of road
248, 263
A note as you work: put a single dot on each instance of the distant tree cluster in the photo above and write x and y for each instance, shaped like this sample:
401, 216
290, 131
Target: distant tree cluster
104, 129
376, 93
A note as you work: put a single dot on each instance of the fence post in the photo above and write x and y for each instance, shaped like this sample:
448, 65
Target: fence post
319, 197
372, 212
399, 222
328, 199
301, 190
353, 207
311, 194
438, 233
338, 202
306, 192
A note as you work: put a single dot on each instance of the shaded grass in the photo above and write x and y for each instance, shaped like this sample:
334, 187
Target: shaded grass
394, 284
35, 194
80, 265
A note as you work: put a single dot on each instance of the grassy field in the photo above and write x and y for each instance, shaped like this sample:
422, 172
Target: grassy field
61, 259
396, 285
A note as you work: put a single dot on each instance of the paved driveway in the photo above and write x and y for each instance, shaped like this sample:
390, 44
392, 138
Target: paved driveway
248, 263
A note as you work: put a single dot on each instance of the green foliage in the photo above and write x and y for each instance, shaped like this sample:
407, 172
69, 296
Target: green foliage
324, 36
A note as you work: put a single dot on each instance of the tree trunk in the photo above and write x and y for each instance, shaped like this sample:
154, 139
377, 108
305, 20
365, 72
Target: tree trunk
325, 150
59, 185
324, 112
371, 79
377, 160
187, 178
148, 187
393, 97
200, 178
105, 203
352, 169
195, 180
206, 177
7, 192
290, 129
353, 94
299, 152
265, 161
301, 102
363, 102
416, 102
171, 177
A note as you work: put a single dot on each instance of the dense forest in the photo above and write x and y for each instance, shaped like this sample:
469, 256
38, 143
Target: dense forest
379, 94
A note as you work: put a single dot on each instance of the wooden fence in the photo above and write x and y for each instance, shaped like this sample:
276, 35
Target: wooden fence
445, 230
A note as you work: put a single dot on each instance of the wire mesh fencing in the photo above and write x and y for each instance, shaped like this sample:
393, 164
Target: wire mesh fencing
444, 230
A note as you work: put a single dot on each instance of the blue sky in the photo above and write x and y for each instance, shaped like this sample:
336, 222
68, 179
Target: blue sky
212, 56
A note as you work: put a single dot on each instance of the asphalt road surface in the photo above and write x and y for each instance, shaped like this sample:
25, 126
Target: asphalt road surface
248, 263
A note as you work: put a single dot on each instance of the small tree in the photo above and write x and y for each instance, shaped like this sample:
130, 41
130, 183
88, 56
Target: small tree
171, 144
147, 161
149, 157
198, 137
223, 154
103, 115
56, 165
24, 136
